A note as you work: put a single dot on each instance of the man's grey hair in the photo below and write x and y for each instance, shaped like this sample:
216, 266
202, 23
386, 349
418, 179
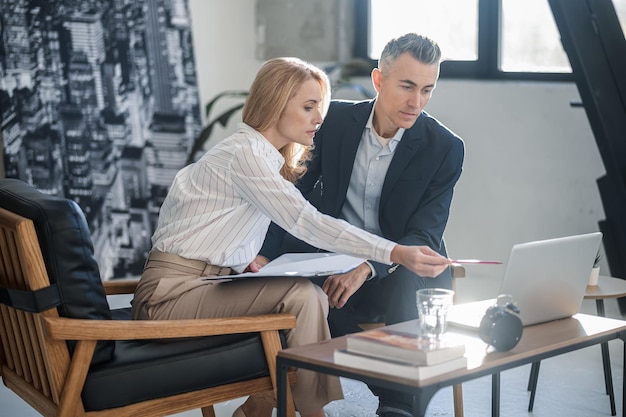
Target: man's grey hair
420, 47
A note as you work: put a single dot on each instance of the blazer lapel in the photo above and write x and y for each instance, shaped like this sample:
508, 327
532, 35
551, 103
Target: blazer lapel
349, 146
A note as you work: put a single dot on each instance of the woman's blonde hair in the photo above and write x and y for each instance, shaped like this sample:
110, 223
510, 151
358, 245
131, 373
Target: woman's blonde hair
277, 81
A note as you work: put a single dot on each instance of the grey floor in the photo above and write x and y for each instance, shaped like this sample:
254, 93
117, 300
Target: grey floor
570, 385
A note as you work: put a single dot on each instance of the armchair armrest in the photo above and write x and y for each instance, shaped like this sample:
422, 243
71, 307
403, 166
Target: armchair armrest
78, 329
121, 286
88, 332
458, 271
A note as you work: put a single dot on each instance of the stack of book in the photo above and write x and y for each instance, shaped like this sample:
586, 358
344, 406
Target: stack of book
401, 354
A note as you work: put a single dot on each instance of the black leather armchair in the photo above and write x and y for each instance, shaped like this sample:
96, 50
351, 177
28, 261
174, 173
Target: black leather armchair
67, 354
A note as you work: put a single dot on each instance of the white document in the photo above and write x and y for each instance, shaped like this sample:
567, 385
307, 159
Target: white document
302, 265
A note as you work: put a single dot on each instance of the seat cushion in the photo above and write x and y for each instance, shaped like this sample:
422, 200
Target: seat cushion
142, 370
67, 251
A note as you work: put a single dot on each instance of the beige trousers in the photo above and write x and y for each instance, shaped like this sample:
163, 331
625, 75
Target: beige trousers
168, 292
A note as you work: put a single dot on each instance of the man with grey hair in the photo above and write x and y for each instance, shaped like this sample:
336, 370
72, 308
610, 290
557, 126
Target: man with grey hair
390, 168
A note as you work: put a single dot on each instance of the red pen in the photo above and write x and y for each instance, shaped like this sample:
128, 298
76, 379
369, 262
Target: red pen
475, 261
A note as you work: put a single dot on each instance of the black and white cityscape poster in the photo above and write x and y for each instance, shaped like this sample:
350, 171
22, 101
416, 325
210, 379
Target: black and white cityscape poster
99, 104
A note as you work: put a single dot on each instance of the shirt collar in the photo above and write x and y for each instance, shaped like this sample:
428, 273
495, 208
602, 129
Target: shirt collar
394, 140
252, 132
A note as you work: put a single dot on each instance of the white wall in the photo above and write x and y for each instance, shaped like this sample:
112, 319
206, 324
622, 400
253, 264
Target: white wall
530, 169
531, 159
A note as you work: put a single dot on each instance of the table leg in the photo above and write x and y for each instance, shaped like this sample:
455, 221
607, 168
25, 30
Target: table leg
281, 387
606, 362
495, 395
531, 377
623, 337
608, 375
532, 384
457, 398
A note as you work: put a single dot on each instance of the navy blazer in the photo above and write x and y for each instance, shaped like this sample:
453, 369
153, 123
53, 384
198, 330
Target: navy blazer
418, 187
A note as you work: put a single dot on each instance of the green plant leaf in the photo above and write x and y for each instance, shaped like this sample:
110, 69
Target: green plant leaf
228, 93
205, 133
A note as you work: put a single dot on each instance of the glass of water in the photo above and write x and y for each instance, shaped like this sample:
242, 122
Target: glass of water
432, 306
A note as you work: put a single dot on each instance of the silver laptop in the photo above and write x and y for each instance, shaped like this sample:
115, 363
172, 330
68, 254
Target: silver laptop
546, 278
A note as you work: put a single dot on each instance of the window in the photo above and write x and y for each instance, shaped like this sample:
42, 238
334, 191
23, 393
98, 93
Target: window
505, 39
425, 17
530, 39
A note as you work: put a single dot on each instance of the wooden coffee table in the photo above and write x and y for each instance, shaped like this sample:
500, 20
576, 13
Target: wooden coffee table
538, 342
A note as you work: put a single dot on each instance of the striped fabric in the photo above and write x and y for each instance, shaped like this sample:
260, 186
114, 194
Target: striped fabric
219, 208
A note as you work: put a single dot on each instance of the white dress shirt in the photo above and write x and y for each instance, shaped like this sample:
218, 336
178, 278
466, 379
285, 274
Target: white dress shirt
219, 208
369, 171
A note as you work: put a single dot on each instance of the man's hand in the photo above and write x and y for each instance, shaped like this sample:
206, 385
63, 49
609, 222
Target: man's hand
339, 288
258, 263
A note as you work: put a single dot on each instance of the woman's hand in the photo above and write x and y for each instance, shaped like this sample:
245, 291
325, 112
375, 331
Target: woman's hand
422, 260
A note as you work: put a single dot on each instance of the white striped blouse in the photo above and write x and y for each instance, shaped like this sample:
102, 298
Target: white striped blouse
218, 209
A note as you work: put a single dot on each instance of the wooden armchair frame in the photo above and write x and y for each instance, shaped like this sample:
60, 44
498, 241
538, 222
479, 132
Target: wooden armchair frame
36, 363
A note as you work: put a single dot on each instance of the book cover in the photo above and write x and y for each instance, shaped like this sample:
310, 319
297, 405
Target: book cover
405, 347
398, 368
